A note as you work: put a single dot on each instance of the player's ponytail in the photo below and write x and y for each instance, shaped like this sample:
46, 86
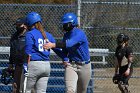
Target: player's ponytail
39, 26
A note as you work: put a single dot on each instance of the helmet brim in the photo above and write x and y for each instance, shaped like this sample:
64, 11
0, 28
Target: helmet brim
21, 20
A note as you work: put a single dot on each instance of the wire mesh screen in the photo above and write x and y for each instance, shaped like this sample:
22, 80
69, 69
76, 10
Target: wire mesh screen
51, 18
102, 20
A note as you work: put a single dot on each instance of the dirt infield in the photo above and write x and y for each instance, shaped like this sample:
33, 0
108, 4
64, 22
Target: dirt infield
103, 81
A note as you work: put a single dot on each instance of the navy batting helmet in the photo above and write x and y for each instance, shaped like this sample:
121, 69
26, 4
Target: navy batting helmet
70, 17
32, 18
21, 20
122, 38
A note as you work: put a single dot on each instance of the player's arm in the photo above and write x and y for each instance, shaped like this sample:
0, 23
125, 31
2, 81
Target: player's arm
116, 66
28, 43
129, 56
62, 54
76, 39
11, 58
130, 59
28, 47
117, 61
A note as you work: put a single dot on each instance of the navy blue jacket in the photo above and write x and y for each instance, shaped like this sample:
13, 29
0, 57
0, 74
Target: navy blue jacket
17, 49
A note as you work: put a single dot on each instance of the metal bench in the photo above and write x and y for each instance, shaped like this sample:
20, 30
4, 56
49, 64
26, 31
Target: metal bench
99, 52
93, 52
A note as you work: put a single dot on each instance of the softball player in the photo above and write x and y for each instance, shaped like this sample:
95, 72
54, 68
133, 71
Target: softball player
17, 45
39, 66
124, 59
75, 46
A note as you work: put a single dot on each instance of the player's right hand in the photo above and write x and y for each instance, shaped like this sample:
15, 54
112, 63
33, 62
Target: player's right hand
65, 63
49, 45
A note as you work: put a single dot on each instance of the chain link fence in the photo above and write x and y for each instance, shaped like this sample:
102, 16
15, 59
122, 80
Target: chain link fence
102, 20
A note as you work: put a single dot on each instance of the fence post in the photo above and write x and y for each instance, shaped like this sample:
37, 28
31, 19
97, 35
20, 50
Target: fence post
78, 11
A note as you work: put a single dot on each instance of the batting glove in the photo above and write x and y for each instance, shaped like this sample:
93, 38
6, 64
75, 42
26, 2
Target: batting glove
25, 67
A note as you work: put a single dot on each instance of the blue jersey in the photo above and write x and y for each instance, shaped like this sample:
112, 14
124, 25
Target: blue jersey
34, 46
76, 45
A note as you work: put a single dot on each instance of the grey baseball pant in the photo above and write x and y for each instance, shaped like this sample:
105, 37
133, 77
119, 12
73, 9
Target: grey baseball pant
39, 72
77, 77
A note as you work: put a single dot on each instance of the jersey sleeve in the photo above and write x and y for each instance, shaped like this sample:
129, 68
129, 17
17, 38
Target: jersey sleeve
115, 53
61, 54
29, 43
12, 53
11, 58
51, 39
75, 39
129, 51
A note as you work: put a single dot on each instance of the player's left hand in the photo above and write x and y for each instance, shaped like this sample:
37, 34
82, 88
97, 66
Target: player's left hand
127, 72
116, 78
25, 67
